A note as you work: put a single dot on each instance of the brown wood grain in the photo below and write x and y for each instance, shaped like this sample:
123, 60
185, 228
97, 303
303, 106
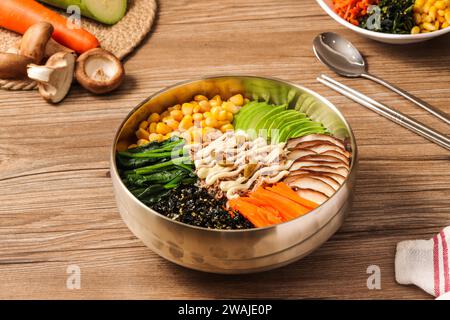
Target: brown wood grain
56, 201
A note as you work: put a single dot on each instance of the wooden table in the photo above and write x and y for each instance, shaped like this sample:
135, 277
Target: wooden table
56, 200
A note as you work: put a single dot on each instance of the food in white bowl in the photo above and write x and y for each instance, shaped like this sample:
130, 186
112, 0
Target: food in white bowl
392, 21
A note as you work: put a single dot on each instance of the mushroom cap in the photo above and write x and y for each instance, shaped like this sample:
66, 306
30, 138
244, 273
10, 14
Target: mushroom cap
34, 41
99, 71
13, 66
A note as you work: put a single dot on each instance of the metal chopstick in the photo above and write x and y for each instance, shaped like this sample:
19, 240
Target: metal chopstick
387, 112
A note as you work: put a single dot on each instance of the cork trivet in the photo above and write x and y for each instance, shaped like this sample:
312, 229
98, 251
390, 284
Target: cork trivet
121, 38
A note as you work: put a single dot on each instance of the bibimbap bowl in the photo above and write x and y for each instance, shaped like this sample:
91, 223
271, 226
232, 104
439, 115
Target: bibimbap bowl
246, 250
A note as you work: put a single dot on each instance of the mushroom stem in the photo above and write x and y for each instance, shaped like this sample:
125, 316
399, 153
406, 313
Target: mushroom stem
55, 78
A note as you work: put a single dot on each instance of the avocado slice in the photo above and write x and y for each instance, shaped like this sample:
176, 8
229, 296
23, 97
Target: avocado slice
264, 120
284, 117
295, 130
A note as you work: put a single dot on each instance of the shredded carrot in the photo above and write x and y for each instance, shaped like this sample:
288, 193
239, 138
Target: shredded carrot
249, 211
287, 208
284, 190
352, 10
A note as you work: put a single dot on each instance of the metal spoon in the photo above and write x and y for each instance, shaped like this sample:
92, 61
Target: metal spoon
341, 56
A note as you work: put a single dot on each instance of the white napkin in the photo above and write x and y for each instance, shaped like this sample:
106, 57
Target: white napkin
425, 263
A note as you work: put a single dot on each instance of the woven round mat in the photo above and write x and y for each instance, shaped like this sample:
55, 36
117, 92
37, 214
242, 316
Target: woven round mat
120, 39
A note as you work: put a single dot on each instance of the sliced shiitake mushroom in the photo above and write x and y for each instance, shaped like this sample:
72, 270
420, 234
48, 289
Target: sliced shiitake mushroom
322, 168
336, 177
298, 153
300, 164
308, 182
312, 137
13, 66
312, 195
99, 71
34, 41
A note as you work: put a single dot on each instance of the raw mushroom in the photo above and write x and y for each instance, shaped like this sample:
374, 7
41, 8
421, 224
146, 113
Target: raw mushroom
55, 78
34, 41
13, 66
51, 48
99, 71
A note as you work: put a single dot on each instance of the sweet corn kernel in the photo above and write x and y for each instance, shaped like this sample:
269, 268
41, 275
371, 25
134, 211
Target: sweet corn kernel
237, 100
415, 30
230, 106
152, 127
186, 123
200, 97
204, 106
154, 117
197, 117
163, 128
142, 134
226, 127
211, 122
173, 124
187, 108
143, 125
440, 5
197, 109
132, 146
176, 115
142, 142
222, 115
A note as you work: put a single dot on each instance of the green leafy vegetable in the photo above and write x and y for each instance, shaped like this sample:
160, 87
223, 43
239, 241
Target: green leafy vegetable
390, 16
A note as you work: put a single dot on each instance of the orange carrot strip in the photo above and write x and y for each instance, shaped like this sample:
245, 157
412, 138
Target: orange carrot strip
249, 211
19, 15
287, 208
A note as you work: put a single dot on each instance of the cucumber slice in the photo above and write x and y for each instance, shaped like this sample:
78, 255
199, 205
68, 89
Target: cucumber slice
104, 11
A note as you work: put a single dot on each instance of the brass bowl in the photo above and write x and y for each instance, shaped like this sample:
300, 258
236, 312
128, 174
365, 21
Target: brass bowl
235, 251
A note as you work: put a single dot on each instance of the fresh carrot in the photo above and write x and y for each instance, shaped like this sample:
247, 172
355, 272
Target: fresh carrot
287, 208
284, 190
249, 211
352, 10
19, 15
265, 210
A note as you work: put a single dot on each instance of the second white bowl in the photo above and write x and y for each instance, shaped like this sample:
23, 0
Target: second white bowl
327, 5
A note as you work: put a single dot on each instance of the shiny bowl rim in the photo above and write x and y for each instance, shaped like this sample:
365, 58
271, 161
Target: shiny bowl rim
381, 35
211, 77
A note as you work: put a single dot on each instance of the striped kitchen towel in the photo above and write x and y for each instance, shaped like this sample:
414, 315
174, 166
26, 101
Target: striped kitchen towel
425, 263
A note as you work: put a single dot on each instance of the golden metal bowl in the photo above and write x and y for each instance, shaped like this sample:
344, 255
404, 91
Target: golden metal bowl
235, 251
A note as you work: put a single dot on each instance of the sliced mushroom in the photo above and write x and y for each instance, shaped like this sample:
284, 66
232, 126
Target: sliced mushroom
312, 195
323, 158
99, 71
13, 66
307, 182
337, 155
321, 176
320, 168
34, 41
336, 177
300, 164
311, 137
299, 153
324, 146
55, 78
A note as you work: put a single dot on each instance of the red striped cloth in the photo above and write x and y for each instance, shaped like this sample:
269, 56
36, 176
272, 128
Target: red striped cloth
425, 263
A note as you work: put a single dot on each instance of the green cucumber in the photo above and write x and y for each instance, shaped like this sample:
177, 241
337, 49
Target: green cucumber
104, 11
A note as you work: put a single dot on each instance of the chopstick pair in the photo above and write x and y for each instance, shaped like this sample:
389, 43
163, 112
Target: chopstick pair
387, 112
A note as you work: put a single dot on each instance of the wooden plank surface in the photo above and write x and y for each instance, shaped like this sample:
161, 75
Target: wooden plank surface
57, 206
